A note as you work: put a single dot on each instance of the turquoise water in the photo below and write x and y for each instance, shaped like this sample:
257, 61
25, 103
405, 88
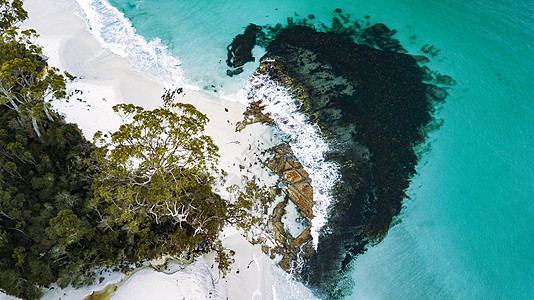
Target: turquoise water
467, 231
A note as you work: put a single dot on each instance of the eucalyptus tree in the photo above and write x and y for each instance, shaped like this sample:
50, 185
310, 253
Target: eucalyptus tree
11, 14
26, 80
156, 172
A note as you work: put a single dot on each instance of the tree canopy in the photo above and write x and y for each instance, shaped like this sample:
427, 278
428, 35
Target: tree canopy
45, 224
155, 177
11, 13
68, 206
26, 80
155, 171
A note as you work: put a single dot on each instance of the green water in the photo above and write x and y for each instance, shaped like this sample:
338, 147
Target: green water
467, 231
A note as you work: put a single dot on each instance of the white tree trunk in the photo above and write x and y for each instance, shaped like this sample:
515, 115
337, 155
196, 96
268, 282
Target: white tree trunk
35, 127
47, 113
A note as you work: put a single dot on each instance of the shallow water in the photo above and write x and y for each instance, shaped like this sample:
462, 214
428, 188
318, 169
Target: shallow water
466, 231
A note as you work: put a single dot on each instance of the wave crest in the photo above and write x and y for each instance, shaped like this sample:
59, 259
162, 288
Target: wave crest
116, 33
306, 143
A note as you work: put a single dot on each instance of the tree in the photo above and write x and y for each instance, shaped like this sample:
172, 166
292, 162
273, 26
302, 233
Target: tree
155, 174
11, 13
249, 205
45, 221
26, 81
67, 228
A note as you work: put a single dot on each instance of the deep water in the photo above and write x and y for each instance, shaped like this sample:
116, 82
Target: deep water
465, 232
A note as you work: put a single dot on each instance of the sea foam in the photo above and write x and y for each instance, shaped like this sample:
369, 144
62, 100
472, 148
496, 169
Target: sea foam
306, 143
116, 33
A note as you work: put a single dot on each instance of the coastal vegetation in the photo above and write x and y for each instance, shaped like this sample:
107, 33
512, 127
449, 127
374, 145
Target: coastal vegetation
70, 208
25, 78
154, 180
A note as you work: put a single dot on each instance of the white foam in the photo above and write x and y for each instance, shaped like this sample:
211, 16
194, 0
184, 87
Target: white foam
116, 33
305, 141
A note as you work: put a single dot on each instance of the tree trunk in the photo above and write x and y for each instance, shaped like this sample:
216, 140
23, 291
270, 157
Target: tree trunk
35, 127
47, 113
15, 106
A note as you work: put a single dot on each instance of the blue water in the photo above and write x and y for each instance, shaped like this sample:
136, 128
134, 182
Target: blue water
467, 231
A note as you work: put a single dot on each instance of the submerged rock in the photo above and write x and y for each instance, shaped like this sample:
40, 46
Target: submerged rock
240, 50
234, 72
367, 96
372, 104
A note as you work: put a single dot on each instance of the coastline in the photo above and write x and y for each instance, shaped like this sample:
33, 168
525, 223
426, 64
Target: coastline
105, 79
481, 139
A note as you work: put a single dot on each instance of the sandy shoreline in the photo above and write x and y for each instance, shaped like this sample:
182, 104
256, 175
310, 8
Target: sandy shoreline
105, 79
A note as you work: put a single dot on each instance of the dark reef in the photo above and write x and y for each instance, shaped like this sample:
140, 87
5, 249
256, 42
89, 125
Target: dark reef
373, 104
240, 50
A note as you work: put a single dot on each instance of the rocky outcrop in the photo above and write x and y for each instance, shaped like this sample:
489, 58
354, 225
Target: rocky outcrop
370, 98
373, 103
253, 114
371, 106
240, 50
299, 191
296, 178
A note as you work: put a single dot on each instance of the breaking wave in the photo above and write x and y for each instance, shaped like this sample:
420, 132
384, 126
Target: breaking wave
306, 143
116, 33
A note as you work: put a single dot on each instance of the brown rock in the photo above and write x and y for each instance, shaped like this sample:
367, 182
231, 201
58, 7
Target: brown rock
288, 166
303, 173
292, 176
285, 263
279, 166
300, 192
254, 114
304, 237
305, 189
305, 206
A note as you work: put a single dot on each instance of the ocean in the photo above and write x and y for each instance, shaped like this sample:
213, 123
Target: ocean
466, 229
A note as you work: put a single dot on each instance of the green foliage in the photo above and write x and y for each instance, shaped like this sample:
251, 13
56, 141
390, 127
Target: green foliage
224, 258
44, 221
155, 179
66, 207
11, 13
67, 228
12, 284
250, 204
31, 172
25, 78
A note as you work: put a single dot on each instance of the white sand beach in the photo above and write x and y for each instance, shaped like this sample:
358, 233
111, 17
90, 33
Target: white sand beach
105, 79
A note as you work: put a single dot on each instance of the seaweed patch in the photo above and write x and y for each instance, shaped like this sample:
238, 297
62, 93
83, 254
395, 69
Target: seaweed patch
373, 103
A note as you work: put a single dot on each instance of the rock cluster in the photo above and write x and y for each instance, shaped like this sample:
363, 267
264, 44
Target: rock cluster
299, 191
361, 94
240, 50
253, 114
373, 103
